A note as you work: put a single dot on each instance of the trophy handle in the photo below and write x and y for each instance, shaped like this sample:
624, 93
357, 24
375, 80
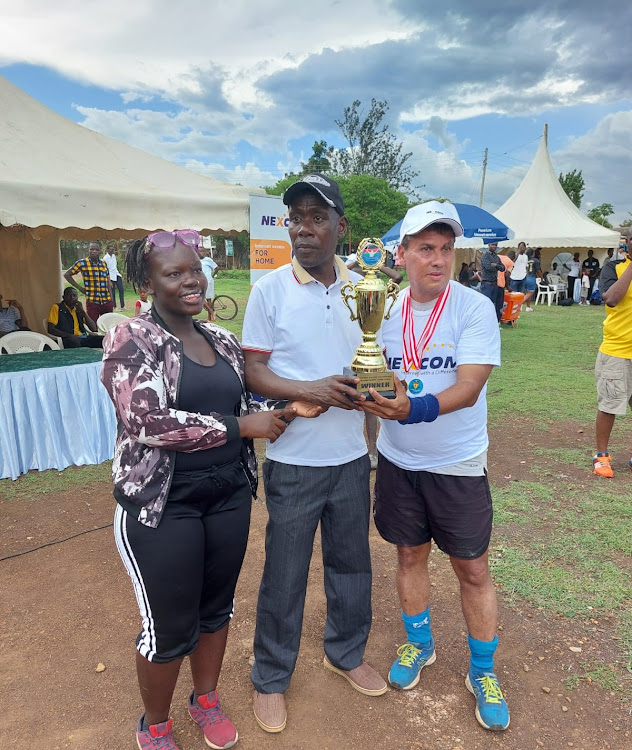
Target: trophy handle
348, 292
392, 290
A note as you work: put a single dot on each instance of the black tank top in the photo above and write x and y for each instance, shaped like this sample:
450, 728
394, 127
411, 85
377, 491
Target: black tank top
207, 390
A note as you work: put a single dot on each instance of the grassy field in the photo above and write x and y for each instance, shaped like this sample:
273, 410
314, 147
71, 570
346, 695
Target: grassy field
563, 539
548, 364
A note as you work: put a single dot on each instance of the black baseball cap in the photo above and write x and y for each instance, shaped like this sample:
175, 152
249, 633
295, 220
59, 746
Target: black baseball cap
325, 187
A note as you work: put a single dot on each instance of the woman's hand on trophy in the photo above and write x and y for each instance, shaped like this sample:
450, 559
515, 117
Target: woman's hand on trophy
335, 390
306, 410
389, 408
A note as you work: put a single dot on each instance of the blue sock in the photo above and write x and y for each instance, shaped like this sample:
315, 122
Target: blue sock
482, 654
418, 627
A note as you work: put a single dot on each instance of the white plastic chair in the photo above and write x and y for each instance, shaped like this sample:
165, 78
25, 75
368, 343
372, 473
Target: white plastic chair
23, 342
544, 290
558, 285
109, 320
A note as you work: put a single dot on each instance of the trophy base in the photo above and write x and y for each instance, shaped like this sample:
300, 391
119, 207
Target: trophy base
381, 381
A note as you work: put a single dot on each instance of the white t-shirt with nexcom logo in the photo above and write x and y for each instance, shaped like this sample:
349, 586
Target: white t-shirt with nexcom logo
467, 333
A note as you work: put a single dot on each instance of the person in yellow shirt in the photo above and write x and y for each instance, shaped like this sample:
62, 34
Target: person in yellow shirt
68, 320
613, 369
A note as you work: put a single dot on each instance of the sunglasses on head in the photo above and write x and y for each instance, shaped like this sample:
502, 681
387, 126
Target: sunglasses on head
167, 240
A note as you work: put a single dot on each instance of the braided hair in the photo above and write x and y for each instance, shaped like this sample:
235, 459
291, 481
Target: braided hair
136, 263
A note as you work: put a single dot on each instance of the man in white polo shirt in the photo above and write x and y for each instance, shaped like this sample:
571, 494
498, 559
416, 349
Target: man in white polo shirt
297, 338
442, 342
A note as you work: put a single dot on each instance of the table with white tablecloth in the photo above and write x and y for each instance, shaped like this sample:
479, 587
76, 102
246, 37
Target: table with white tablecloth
55, 414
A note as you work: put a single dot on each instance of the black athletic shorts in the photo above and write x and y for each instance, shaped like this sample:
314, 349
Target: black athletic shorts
185, 571
413, 507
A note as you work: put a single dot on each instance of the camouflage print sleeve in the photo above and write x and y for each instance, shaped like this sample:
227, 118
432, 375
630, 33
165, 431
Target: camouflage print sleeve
134, 377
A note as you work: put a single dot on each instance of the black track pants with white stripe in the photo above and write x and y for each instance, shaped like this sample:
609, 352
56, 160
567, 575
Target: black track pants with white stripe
185, 571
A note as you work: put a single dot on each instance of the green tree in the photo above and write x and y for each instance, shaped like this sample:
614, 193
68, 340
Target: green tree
371, 205
283, 184
627, 222
72, 250
320, 160
241, 250
573, 184
373, 149
600, 214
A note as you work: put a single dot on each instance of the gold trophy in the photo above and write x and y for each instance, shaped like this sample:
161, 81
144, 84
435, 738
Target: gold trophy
370, 295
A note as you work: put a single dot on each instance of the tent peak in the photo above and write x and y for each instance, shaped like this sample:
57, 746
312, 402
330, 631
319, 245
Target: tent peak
541, 214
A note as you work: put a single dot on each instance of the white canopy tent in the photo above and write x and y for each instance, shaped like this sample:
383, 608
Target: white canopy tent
542, 215
61, 180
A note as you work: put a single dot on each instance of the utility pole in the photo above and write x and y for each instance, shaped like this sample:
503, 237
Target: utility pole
480, 200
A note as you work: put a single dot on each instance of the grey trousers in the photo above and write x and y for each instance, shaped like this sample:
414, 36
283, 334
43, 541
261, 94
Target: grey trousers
298, 498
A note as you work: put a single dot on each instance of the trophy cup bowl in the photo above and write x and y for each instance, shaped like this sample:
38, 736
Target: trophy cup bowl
370, 296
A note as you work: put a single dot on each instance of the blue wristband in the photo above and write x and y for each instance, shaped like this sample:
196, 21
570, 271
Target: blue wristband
422, 409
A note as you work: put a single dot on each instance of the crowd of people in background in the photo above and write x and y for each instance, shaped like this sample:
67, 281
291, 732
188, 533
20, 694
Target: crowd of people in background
68, 321
520, 271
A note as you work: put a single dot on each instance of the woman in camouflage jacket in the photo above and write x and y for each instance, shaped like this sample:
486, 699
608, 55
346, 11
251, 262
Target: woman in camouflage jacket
184, 471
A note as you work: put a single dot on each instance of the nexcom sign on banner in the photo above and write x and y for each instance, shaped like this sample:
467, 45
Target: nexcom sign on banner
269, 241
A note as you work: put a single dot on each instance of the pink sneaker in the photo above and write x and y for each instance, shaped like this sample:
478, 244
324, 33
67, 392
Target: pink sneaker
219, 731
156, 737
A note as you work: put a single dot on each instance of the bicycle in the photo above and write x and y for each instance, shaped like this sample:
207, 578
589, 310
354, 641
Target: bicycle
225, 307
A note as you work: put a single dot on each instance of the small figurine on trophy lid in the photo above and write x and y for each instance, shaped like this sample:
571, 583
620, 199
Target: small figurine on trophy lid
370, 295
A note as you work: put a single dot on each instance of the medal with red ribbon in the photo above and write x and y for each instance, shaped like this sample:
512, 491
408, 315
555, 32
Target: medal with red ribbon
413, 350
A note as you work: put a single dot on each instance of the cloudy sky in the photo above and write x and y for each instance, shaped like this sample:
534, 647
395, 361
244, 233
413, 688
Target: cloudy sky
239, 91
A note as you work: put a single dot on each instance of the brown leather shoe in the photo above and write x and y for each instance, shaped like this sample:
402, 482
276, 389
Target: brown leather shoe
363, 678
270, 711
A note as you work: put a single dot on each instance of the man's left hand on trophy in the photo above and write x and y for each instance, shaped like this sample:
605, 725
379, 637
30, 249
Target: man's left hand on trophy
335, 390
389, 408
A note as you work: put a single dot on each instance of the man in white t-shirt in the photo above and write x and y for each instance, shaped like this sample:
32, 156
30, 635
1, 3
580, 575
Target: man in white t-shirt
519, 271
442, 341
210, 269
297, 337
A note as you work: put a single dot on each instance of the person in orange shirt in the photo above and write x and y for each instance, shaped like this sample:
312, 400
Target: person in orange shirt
503, 281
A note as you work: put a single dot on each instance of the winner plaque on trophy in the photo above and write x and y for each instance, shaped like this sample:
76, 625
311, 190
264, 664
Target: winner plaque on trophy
370, 295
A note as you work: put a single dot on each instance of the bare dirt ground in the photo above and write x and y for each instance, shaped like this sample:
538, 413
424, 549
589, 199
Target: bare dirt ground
69, 606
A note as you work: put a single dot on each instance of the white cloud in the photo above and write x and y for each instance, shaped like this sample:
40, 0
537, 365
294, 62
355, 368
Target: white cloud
446, 174
156, 44
605, 157
242, 80
249, 175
